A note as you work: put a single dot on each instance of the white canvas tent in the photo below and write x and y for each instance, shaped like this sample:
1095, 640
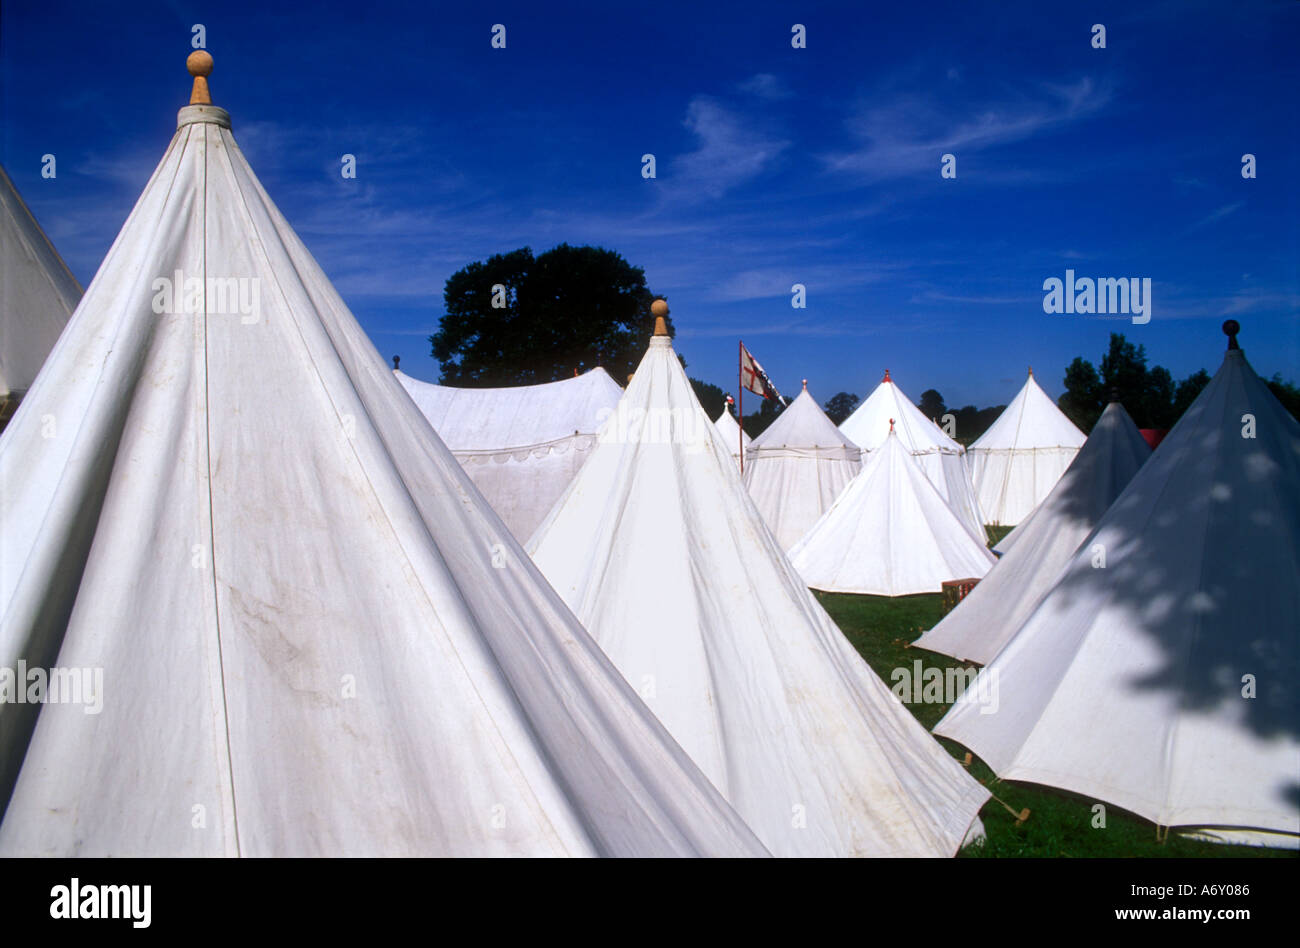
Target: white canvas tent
664, 556
941, 458
889, 534
522, 445
991, 613
313, 636
1164, 683
731, 433
37, 294
1017, 462
797, 467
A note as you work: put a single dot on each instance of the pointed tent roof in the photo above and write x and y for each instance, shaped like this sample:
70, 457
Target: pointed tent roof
37, 292
870, 424
521, 445
889, 534
1128, 682
940, 456
991, 613
731, 432
797, 467
663, 555
289, 584
1017, 462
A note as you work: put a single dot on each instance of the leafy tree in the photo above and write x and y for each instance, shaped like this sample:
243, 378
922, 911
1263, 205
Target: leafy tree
712, 399
568, 308
758, 422
1082, 400
1287, 393
971, 422
1187, 391
1158, 398
840, 406
932, 405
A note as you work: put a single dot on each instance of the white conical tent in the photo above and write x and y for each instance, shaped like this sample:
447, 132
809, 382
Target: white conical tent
941, 458
37, 293
889, 534
732, 435
990, 614
797, 467
523, 444
663, 555
1164, 682
312, 633
1017, 462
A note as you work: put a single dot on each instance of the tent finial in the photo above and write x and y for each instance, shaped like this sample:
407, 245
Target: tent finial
199, 63
1230, 329
396, 359
1031, 371
1114, 393
660, 309
886, 378
805, 385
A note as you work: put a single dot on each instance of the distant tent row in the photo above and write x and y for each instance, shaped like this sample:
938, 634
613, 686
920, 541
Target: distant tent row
797, 467
889, 534
1017, 462
940, 457
733, 436
521, 446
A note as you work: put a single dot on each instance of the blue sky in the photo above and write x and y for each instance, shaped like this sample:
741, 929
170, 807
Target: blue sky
775, 165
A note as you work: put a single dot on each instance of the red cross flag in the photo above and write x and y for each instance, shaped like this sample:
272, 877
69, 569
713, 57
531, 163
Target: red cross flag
754, 378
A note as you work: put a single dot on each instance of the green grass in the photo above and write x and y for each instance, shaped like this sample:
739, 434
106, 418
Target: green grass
996, 534
1060, 823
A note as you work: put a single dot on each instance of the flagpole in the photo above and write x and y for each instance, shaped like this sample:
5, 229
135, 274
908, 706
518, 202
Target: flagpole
740, 409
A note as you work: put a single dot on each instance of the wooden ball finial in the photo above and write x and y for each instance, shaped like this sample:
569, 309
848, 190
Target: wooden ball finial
199, 63
659, 309
1230, 329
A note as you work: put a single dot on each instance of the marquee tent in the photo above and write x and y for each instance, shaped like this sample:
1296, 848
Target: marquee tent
1017, 462
797, 467
941, 458
304, 631
731, 434
889, 533
665, 558
520, 445
37, 295
1164, 683
992, 612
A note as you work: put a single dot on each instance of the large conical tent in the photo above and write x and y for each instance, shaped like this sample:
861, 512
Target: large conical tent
37, 295
797, 467
732, 435
288, 584
991, 613
663, 555
1162, 679
941, 458
889, 534
1017, 462
522, 445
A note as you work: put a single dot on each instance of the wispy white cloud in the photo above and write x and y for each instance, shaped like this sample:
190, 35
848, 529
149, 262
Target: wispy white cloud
908, 133
1218, 214
732, 151
766, 86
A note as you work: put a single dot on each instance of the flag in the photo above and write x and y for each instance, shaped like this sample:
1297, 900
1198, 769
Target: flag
754, 378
